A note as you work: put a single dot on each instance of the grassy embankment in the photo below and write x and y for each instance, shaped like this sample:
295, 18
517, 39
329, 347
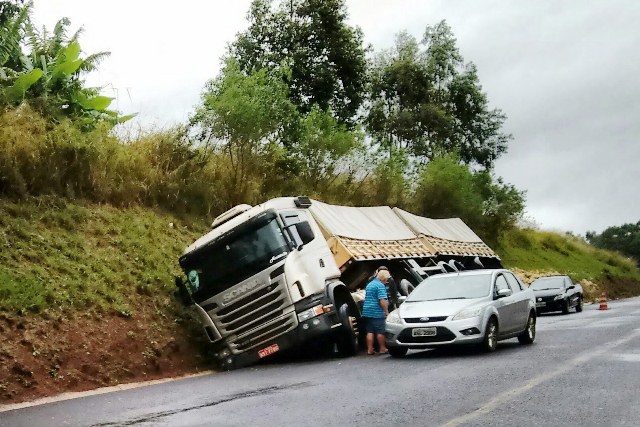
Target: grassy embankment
86, 292
536, 253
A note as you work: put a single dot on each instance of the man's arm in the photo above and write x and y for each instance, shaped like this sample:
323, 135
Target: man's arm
383, 304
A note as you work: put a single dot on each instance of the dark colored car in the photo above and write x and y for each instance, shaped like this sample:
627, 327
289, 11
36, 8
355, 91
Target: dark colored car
557, 293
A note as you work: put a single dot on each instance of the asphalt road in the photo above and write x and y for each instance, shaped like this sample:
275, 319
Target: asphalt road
583, 370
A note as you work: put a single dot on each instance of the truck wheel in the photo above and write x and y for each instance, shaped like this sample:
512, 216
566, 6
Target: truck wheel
579, 305
347, 339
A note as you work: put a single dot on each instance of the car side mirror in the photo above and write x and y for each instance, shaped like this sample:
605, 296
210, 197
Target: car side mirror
503, 293
305, 232
571, 287
183, 293
401, 299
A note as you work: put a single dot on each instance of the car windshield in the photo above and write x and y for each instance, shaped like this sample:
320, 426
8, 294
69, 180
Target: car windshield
547, 283
235, 257
442, 287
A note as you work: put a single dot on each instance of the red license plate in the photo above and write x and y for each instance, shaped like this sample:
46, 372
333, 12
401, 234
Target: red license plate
268, 350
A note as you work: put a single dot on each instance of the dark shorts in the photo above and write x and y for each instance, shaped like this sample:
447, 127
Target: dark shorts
374, 325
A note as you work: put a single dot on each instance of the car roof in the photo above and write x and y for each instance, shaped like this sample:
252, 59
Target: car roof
480, 272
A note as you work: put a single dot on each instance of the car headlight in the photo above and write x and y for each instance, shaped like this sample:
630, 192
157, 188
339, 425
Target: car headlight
558, 297
394, 317
468, 313
311, 312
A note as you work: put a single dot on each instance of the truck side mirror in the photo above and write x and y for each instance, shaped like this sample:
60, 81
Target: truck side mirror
183, 293
305, 232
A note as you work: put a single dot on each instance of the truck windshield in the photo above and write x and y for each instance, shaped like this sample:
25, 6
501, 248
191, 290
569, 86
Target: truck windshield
235, 257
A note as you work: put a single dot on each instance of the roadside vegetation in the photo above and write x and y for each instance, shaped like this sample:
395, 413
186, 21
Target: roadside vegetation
92, 221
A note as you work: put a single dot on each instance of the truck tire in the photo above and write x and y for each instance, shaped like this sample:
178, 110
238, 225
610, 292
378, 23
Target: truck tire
347, 339
406, 287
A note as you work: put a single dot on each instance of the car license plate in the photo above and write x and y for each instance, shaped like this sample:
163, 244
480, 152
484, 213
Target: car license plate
423, 332
268, 350
541, 304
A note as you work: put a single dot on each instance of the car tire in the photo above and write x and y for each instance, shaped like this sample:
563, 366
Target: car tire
579, 305
565, 307
397, 351
490, 340
347, 339
529, 334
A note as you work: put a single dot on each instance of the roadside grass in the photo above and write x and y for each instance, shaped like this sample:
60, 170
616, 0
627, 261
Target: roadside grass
533, 250
70, 256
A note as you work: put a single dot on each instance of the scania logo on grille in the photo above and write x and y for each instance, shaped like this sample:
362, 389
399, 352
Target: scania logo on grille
424, 319
240, 291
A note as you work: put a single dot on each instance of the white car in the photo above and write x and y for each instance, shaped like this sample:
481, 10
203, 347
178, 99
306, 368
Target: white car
472, 307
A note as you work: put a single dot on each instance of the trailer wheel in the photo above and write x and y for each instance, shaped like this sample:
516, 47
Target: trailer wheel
347, 339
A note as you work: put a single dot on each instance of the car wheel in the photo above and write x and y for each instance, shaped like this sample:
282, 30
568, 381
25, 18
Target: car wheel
565, 307
579, 305
347, 339
397, 351
529, 333
490, 341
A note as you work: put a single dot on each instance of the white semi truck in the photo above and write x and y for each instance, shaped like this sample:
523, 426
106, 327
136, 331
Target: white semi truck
273, 277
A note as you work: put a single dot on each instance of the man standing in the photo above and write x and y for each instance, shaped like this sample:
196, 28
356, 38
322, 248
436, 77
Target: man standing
374, 310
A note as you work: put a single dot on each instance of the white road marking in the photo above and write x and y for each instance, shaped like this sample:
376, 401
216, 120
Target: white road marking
513, 393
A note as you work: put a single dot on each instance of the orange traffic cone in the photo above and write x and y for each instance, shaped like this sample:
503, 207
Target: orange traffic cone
603, 302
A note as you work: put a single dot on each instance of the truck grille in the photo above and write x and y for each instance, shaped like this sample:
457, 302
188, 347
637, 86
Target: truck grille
257, 317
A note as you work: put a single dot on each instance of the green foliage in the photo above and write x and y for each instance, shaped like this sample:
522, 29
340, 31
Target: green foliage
426, 100
312, 39
448, 189
624, 239
59, 255
50, 77
546, 251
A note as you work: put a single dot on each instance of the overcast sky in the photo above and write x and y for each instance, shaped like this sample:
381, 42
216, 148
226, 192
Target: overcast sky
566, 73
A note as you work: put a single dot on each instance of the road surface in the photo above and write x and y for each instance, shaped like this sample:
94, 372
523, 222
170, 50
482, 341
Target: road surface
582, 370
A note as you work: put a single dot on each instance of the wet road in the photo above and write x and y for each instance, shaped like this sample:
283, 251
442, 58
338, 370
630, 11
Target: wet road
583, 370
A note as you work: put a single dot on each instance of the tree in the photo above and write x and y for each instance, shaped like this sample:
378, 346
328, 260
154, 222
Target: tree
50, 77
624, 239
448, 189
311, 38
241, 116
426, 100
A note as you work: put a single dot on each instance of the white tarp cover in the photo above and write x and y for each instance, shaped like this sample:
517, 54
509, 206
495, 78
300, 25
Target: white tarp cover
372, 223
449, 229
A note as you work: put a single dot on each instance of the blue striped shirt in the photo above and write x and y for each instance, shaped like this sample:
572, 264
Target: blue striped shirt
374, 292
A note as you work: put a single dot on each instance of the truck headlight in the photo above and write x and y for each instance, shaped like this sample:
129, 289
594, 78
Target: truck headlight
468, 313
558, 297
394, 317
310, 312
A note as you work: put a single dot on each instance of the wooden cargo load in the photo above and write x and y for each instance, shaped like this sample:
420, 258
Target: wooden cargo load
367, 233
448, 237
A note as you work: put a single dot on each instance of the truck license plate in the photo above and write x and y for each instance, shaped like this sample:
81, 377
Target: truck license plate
268, 350
423, 332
